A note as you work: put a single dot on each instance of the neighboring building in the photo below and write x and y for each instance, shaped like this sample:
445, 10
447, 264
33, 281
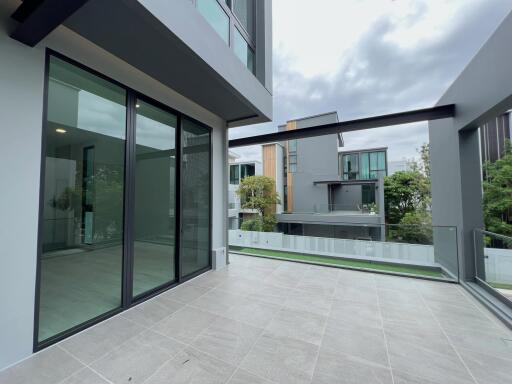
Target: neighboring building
114, 150
324, 188
274, 166
493, 137
238, 170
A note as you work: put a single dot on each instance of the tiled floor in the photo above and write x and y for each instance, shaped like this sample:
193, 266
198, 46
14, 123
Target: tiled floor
269, 321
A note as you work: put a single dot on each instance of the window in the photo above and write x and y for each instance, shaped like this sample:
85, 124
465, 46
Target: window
363, 166
243, 51
234, 174
292, 156
214, 14
247, 170
244, 11
351, 167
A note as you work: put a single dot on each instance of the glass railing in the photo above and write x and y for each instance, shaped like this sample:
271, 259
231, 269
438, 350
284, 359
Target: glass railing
414, 250
494, 261
357, 209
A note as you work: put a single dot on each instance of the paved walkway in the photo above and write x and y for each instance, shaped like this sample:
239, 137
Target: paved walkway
269, 321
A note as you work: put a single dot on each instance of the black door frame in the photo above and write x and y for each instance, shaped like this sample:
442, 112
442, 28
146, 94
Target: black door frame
127, 299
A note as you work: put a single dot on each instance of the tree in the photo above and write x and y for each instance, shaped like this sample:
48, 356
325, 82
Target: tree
259, 193
497, 201
415, 228
405, 192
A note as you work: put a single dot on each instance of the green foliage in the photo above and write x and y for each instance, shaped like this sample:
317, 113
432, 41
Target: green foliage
414, 228
497, 200
405, 192
254, 225
259, 193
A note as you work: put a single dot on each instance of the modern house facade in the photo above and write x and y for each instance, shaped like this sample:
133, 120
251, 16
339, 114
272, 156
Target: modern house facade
324, 188
114, 152
238, 170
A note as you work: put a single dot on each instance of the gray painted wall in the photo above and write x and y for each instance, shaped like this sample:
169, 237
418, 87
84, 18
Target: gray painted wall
482, 91
21, 97
317, 160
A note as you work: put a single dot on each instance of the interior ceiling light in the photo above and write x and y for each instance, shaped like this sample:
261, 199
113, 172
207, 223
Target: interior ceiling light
60, 130
137, 105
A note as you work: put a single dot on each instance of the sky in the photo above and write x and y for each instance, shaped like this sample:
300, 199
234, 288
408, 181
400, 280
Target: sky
371, 57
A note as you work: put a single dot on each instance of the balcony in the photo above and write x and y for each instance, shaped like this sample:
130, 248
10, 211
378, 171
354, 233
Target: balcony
272, 321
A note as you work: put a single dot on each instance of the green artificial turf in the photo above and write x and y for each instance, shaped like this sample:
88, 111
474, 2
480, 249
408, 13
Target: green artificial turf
341, 262
501, 286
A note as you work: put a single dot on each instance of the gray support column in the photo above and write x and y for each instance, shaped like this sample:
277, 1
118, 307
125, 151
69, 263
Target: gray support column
471, 194
446, 194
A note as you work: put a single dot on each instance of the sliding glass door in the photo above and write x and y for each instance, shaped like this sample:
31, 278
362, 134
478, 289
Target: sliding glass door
195, 213
155, 193
125, 202
82, 206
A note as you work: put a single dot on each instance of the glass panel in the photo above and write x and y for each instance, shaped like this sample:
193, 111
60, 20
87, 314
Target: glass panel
381, 161
247, 170
213, 13
195, 247
81, 263
234, 174
155, 191
292, 146
243, 51
244, 11
351, 166
365, 167
368, 194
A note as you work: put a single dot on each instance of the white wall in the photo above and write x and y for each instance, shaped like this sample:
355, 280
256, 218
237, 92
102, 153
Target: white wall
498, 265
21, 100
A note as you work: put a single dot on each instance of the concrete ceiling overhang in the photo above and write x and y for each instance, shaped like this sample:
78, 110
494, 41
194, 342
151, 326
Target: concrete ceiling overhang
171, 42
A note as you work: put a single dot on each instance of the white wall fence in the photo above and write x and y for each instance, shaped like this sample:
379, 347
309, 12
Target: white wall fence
498, 263
422, 255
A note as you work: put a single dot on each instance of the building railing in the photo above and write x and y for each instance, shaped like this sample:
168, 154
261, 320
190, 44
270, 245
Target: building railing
415, 250
493, 261
362, 209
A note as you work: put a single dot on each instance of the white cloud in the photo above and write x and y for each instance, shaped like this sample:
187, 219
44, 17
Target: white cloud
368, 57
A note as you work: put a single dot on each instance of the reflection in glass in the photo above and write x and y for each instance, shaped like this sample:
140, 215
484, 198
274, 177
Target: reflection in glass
243, 51
214, 14
155, 186
81, 261
195, 215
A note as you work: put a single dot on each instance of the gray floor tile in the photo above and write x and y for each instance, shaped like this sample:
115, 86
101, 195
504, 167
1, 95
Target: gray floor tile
244, 377
300, 325
281, 359
432, 366
428, 337
184, 293
492, 343
239, 286
408, 378
309, 302
218, 301
47, 367
256, 313
227, 340
138, 358
488, 369
85, 376
336, 368
192, 367
355, 293
366, 314
95, 342
270, 294
349, 278
151, 312
186, 324
361, 342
